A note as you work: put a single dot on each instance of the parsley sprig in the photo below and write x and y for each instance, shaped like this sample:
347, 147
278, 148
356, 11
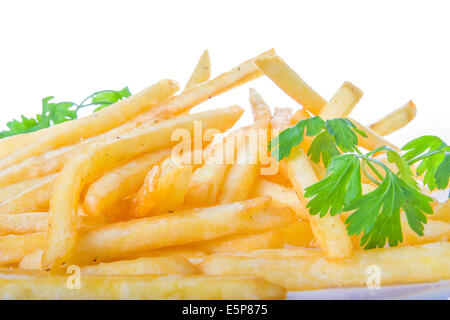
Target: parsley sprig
53, 113
375, 215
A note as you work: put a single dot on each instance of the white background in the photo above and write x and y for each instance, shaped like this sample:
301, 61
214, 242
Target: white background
393, 50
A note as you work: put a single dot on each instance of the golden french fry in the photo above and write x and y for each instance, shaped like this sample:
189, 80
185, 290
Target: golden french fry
9, 144
329, 231
120, 182
396, 265
114, 241
73, 131
36, 198
442, 212
300, 114
298, 234
288, 81
241, 243
164, 189
150, 266
24, 285
201, 73
242, 175
32, 261
342, 103
100, 157
226, 81
373, 139
395, 120
282, 196
280, 253
13, 190
14, 247
434, 231
261, 112
185, 252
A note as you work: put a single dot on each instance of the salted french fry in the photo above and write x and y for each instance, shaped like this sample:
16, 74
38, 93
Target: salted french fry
185, 252
32, 222
13, 190
298, 234
9, 144
396, 265
282, 196
280, 253
329, 231
32, 261
164, 189
120, 182
300, 114
100, 157
16, 284
242, 175
73, 131
442, 212
243, 73
433, 231
149, 266
115, 241
201, 73
241, 243
342, 102
373, 139
36, 198
395, 120
288, 81
14, 247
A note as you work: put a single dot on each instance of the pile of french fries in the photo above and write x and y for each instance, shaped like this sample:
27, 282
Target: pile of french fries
109, 196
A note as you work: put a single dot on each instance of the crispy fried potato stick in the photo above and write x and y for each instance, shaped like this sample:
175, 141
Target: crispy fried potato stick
281, 253
434, 231
164, 189
33, 199
142, 266
342, 103
373, 140
73, 131
442, 212
281, 196
397, 265
243, 73
298, 234
329, 231
289, 81
14, 247
395, 120
140, 235
13, 190
120, 182
25, 286
100, 157
32, 261
201, 73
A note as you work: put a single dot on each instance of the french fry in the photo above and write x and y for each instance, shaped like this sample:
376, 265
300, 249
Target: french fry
434, 231
373, 140
149, 266
395, 120
164, 189
397, 265
120, 182
32, 261
100, 157
342, 102
282, 196
23, 223
17, 285
281, 253
241, 243
329, 231
13, 190
185, 252
300, 114
288, 81
242, 175
114, 241
201, 73
33, 199
442, 212
14, 247
298, 234
73, 131
243, 73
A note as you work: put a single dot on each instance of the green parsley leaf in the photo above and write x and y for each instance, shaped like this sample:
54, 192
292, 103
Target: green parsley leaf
108, 97
323, 147
282, 145
344, 133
